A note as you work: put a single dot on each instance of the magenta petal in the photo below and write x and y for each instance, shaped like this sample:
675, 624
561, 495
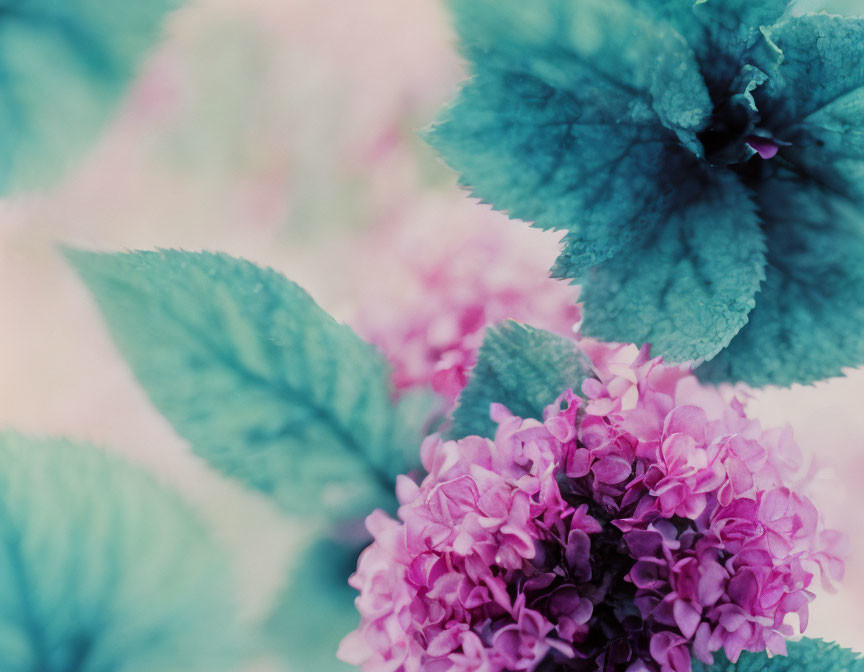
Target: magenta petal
611, 469
687, 617
766, 148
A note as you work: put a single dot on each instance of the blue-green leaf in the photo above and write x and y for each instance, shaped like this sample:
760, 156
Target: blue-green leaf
102, 569
809, 318
843, 7
687, 289
316, 609
519, 366
820, 83
569, 101
63, 68
710, 27
807, 655
262, 382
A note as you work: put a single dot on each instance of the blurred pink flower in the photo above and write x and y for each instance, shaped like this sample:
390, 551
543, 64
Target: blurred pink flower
438, 286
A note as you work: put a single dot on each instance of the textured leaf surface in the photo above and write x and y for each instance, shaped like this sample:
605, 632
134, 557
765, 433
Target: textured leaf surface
525, 369
63, 67
844, 7
316, 609
568, 103
808, 655
102, 570
695, 278
820, 82
809, 318
263, 383
715, 27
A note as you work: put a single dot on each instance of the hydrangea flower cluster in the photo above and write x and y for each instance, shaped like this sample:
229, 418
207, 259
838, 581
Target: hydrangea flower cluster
629, 530
430, 326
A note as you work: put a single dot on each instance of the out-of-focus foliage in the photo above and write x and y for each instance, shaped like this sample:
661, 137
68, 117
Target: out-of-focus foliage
102, 569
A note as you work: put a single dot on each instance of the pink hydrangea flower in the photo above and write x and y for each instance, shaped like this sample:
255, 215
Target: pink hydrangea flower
634, 529
452, 285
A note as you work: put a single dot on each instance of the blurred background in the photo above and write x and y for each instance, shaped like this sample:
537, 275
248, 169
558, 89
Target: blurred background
284, 131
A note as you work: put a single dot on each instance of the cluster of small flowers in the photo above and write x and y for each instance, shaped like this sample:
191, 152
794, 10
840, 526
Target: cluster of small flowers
630, 530
431, 324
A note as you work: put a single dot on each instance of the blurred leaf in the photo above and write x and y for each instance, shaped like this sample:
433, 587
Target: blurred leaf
316, 609
808, 655
63, 68
524, 368
102, 569
264, 384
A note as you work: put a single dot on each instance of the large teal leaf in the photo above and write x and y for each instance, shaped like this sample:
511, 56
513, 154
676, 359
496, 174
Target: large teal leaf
809, 318
521, 367
713, 27
568, 104
820, 85
104, 570
687, 289
63, 68
316, 609
807, 655
262, 382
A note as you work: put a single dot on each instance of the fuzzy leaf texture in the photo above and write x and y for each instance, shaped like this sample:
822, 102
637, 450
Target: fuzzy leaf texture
316, 609
104, 570
64, 67
684, 214
521, 367
807, 655
263, 383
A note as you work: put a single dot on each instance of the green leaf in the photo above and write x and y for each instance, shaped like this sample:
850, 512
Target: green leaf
568, 103
711, 27
807, 655
809, 318
315, 610
63, 68
844, 7
820, 85
103, 569
521, 367
262, 382
687, 289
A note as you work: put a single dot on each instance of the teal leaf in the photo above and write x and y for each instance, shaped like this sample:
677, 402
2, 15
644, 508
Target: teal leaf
695, 284
101, 568
843, 7
264, 384
64, 66
726, 26
523, 368
315, 610
807, 655
809, 318
555, 117
820, 82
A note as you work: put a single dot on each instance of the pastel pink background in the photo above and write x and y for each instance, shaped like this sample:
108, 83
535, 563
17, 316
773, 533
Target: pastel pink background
283, 131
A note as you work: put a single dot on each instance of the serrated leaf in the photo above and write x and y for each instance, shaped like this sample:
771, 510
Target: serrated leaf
63, 68
316, 609
688, 288
820, 85
807, 655
102, 569
262, 382
809, 318
569, 101
521, 367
